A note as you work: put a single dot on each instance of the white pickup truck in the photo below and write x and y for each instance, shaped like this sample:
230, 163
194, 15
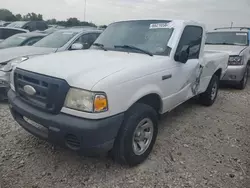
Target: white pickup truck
109, 98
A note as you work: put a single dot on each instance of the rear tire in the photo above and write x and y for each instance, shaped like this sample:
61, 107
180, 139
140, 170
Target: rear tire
132, 137
243, 82
209, 96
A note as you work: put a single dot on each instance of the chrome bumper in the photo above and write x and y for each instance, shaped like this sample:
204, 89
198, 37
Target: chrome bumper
234, 73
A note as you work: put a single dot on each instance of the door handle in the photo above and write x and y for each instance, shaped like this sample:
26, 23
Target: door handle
165, 77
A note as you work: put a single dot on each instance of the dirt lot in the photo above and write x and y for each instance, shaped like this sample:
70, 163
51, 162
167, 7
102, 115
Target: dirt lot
196, 147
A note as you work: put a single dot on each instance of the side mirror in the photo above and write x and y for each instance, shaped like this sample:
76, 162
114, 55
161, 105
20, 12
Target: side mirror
183, 55
76, 46
86, 46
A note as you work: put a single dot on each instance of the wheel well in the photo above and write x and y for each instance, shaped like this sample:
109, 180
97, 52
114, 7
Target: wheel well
153, 100
218, 73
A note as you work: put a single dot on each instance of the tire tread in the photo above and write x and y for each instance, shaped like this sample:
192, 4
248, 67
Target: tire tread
119, 152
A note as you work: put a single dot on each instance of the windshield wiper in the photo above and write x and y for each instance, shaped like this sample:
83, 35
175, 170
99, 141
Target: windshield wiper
133, 48
100, 46
225, 43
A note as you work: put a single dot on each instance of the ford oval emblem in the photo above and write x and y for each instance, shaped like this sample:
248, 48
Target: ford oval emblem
29, 90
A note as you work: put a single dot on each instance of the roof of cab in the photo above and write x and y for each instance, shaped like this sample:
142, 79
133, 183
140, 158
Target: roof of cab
176, 22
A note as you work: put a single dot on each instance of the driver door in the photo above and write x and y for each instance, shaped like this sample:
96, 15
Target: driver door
186, 76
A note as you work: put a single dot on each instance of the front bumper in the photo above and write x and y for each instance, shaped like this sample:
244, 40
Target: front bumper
234, 73
4, 84
4, 79
83, 135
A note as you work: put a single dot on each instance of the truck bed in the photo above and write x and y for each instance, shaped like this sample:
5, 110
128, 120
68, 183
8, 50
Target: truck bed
216, 58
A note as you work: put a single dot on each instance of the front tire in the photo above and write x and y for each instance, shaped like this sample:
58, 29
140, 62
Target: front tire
136, 136
209, 96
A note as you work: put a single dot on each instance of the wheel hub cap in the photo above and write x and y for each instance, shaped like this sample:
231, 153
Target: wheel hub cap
214, 91
142, 136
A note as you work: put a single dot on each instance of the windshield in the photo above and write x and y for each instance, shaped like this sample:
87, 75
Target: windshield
17, 24
227, 38
148, 35
56, 39
12, 41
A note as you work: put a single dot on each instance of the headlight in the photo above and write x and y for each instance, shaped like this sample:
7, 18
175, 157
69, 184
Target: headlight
235, 60
13, 63
2, 64
86, 101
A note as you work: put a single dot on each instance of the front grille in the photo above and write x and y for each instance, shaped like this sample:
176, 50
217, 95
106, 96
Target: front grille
50, 92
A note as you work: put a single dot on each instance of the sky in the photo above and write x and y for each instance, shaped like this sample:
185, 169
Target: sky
214, 13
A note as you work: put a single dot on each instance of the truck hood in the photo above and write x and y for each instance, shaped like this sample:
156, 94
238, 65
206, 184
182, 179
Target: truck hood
12, 53
230, 49
87, 67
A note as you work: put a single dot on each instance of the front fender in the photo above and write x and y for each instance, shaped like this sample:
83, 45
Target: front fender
142, 92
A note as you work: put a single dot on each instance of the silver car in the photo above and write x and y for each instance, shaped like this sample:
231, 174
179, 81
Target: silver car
23, 39
61, 40
234, 41
6, 32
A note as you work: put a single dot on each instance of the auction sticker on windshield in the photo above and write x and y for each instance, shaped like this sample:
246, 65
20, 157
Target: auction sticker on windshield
161, 25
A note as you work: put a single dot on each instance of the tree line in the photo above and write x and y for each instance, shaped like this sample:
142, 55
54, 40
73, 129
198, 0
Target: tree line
7, 15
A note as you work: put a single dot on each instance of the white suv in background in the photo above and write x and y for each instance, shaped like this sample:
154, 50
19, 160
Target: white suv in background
234, 41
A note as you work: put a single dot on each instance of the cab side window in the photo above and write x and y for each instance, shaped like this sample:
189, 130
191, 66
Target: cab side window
191, 38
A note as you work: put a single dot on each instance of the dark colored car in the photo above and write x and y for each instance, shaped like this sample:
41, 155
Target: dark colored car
30, 25
6, 23
23, 39
6, 32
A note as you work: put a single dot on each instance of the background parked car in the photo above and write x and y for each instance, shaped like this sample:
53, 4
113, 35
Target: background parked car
3, 23
234, 41
6, 32
6, 24
30, 25
62, 40
23, 39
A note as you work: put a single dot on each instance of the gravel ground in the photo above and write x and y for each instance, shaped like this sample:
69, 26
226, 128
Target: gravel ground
196, 147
